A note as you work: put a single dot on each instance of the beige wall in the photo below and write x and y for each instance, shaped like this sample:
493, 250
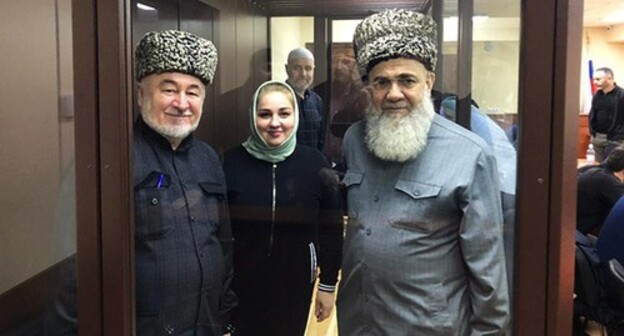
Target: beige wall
495, 68
288, 33
31, 137
495, 63
241, 35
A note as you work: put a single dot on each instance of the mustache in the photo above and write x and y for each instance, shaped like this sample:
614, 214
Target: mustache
390, 106
178, 112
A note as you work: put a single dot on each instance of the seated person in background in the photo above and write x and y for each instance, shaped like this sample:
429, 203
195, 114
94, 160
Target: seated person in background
599, 187
611, 236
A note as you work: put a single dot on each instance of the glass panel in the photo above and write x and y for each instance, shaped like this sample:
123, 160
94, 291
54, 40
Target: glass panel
494, 79
288, 33
37, 198
495, 66
345, 86
494, 113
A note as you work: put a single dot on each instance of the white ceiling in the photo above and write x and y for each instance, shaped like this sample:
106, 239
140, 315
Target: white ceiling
597, 13
600, 13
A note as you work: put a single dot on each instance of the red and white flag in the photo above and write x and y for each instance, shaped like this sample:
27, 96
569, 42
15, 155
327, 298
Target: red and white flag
590, 88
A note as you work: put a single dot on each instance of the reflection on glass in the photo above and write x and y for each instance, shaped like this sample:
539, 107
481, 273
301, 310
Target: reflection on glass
37, 199
345, 86
494, 112
342, 95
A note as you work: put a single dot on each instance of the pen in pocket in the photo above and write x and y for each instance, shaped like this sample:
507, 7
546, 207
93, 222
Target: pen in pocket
160, 181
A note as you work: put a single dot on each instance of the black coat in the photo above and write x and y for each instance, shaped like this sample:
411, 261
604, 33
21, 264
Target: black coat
275, 251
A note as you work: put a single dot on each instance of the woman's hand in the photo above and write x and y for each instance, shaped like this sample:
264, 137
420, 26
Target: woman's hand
324, 304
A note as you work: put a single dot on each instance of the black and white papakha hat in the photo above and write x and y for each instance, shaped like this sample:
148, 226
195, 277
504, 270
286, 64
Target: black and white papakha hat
176, 51
395, 33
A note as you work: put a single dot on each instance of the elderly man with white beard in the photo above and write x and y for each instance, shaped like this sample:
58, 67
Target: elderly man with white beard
423, 252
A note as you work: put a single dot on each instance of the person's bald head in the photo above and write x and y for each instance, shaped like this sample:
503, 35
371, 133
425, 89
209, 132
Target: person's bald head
300, 69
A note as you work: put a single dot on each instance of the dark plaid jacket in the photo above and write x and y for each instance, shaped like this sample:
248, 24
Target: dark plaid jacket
311, 125
183, 243
183, 239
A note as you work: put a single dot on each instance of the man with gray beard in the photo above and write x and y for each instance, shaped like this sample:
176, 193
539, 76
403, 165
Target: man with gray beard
423, 252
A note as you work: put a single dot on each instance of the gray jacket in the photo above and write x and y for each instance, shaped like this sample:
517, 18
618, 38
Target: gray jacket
423, 253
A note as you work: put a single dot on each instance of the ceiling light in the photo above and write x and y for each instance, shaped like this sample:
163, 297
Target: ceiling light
145, 7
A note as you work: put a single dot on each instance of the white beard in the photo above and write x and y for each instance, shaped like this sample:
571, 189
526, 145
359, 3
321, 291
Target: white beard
170, 132
399, 138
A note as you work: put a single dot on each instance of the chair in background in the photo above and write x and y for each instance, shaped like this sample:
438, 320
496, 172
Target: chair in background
614, 284
598, 289
587, 292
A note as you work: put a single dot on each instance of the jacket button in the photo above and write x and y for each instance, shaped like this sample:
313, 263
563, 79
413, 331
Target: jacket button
154, 201
368, 232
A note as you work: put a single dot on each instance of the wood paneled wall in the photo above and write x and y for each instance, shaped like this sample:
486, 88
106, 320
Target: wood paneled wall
241, 35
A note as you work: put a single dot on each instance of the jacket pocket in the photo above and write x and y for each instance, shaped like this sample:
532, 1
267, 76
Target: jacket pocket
415, 210
213, 189
212, 202
352, 178
352, 181
417, 190
151, 208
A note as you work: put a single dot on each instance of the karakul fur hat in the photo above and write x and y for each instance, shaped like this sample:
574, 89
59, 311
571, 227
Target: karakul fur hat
395, 33
176, 51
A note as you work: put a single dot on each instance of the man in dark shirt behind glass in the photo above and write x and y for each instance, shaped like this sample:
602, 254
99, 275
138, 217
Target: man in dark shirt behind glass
183, 241
606, 117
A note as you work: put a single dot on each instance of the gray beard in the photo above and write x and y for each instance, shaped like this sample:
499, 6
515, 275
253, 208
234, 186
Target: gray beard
399, 139
175, 133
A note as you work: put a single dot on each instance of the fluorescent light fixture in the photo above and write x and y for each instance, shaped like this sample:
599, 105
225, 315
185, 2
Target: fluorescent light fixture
145, 7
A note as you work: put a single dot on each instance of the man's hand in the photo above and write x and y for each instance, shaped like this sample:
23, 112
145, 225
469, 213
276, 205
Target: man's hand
323, 305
